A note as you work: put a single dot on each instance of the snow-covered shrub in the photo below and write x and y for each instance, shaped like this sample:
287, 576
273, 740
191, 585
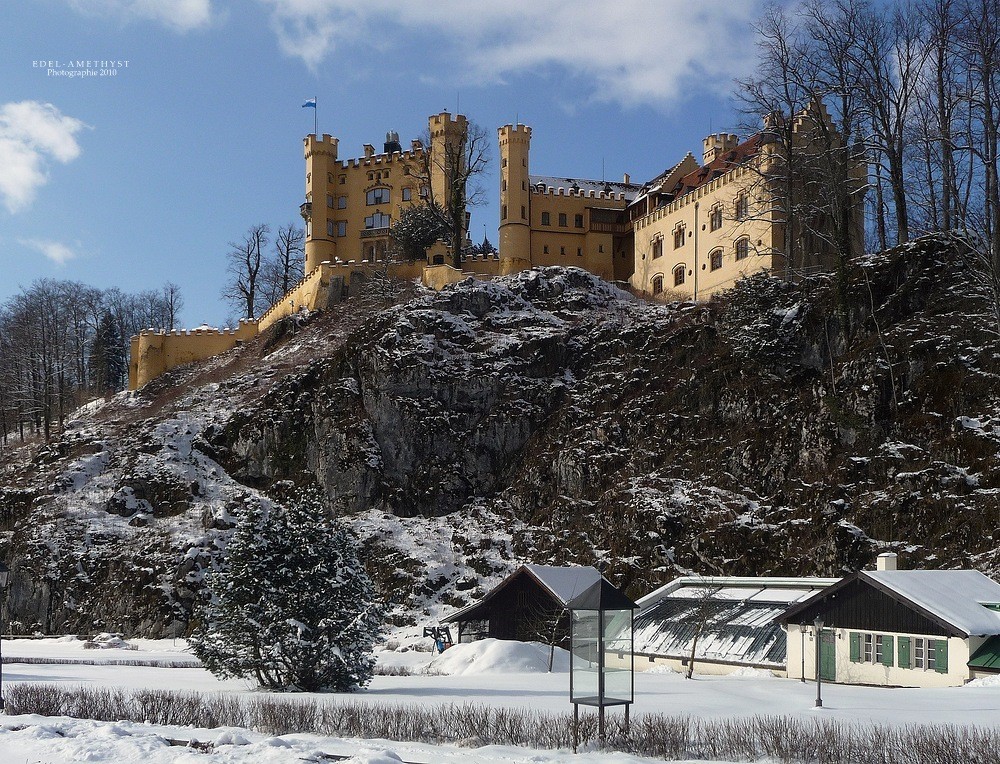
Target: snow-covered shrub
294, 609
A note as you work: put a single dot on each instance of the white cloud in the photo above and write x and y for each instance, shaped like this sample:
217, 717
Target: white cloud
180, 15
58, 253
630, 51
31, 133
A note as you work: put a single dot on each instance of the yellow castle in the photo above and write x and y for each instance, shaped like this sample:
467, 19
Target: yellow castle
689, 232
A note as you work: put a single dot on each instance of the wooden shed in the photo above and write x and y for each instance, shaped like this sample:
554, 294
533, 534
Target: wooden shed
528, 605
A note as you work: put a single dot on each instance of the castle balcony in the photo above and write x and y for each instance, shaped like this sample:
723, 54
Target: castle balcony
306, 210
374, 233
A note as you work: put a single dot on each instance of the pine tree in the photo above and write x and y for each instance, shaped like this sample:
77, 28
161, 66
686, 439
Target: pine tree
418, 227
294, 609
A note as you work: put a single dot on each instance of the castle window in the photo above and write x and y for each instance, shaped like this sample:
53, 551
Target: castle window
657, 247
679, 236
309, 177
562, 219
658, 285
715, 219
503, 185
425, 192
545, 249
371, 176
341, 202
329, 178
329, 201
378, 220
524, 186
562, 250
579, 252
679, 275
546, 219
742, 248
407, 194
342, 228
742, 207
342, 180
715, 258
329, 228
524, 213
504, 163
309, 229
378, 196
503, 212
578, 221
600, 247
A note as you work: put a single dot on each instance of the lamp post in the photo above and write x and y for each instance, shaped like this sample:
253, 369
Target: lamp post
4, 577
818, 623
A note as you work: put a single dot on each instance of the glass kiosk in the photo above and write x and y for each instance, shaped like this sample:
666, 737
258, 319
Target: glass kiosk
601, 659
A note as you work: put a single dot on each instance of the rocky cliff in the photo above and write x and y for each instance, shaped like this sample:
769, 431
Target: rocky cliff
543, 417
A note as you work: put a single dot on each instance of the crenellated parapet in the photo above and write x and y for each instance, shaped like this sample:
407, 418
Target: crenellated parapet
580, 193
155, 351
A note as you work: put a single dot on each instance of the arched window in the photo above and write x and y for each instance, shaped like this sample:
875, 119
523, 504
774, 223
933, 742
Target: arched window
657, 285
715, 259
679, 273
742, 248
715, 218
679, 236
742, 206
377, 196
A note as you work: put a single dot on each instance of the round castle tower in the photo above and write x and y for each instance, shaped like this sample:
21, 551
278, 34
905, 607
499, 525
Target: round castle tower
321, 161
515, 208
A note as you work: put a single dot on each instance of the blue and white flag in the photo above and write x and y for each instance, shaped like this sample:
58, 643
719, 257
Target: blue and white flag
311, 103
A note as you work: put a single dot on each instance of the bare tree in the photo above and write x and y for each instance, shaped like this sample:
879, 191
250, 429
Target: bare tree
283, 267
244, 262
460, 163
173, 302
704, 607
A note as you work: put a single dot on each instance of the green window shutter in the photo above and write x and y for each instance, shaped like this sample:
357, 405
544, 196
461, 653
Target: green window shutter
886, 651
903, 654
855, 647
941, 656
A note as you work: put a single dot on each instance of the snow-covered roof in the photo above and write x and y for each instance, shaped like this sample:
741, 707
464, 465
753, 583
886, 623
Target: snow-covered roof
955, 596
741, 612
762, 588
597, 186
565, 582
562, 582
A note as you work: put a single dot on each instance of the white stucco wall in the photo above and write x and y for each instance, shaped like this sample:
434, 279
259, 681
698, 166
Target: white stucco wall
804, 645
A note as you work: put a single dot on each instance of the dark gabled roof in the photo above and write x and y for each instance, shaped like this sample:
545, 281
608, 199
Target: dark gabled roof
953, 599
562, 583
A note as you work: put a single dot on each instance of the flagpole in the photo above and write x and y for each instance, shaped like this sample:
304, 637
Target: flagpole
316, 118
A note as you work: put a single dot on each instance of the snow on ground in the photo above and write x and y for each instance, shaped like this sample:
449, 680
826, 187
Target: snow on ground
499, 674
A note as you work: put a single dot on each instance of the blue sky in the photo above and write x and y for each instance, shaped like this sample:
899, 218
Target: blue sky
140, 178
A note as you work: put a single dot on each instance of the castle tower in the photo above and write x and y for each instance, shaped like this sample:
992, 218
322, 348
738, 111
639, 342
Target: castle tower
448, 139
515, 237
321, 164
714, 146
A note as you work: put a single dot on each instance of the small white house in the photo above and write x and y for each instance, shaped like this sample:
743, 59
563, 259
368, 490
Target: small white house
909, 628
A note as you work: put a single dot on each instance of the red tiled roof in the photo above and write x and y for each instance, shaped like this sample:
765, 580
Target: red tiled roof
720, 166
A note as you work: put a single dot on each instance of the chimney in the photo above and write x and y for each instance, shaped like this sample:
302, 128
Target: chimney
626, 179
369, 151
886, 561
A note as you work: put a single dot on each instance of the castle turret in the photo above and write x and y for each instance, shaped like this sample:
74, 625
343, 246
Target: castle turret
321, 161
515, 237
717, 145
448, 137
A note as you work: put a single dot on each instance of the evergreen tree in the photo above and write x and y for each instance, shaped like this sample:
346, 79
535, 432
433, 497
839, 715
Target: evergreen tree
294, 609
418, 227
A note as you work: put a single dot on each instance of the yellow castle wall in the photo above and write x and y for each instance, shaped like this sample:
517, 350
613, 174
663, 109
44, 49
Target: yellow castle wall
154, 352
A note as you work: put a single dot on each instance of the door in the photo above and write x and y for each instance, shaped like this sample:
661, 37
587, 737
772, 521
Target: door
828, 656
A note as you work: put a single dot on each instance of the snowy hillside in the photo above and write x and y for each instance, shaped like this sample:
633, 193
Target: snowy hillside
543, 417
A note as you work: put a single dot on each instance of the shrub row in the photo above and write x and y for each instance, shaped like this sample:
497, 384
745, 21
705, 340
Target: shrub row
776, 738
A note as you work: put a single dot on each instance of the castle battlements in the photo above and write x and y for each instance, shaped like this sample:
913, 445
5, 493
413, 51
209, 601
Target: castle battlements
583, 193
695, 195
